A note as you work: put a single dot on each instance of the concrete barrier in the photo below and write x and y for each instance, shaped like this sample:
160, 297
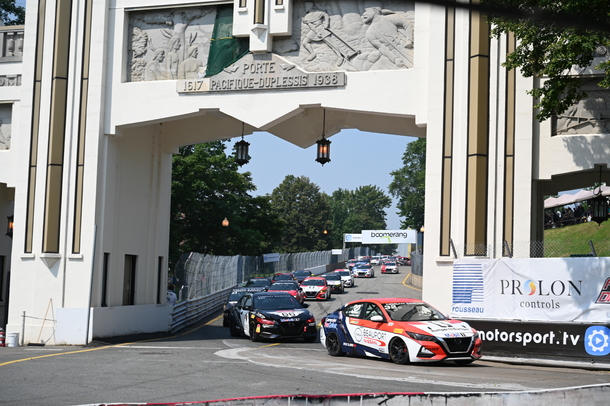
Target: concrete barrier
594, 394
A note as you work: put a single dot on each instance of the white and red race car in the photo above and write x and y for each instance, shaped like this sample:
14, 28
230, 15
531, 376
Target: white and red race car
316, 288
402, 330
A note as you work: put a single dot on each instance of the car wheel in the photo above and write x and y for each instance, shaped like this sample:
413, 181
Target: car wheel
398, 351
233, 329
464, 361
254, 336
225, 322
333, 345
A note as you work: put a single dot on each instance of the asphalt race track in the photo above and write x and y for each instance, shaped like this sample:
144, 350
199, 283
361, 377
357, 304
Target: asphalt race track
206, 363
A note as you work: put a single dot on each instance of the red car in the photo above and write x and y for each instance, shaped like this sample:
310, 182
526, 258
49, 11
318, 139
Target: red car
291, 287
389, 267
285, 276
316, 288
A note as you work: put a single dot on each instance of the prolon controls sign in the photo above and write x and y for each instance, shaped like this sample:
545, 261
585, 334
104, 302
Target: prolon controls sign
389, 236
261, 72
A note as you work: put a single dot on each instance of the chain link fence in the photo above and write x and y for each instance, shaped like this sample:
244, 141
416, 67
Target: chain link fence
198, 275
533, 249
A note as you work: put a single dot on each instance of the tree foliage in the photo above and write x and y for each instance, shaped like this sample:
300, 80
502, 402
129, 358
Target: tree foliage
409, 185
11, 13
305, 212
361, 209
553, 37
206, 188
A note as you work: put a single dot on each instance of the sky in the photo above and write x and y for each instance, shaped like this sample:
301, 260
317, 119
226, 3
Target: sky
357, 159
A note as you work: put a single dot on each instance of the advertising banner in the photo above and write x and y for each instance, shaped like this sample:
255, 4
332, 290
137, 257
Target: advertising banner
580, 341
274, 257
389, 236
533, 289
352, 237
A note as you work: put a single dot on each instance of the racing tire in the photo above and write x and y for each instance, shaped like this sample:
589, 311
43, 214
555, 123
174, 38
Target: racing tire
233, 330
464, 361
254, 337
398, 351
333, 345
225, 322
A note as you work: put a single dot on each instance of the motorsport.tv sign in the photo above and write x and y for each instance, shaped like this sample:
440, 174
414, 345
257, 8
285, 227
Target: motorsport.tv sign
389, 236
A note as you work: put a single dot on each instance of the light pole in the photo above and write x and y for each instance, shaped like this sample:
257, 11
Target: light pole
225, 224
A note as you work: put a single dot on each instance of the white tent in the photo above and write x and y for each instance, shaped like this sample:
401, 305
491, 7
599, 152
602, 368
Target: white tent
566, 198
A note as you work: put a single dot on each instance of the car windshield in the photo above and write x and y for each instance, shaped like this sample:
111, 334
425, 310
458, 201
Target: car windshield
258, 282
235, 296
416, 311
302, 273
273, 302
343, 273
313, 282
391, 263
287, 277
331, 277
363, 266
284, 286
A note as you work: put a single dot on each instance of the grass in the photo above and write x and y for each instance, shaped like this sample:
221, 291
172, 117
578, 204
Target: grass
570, 240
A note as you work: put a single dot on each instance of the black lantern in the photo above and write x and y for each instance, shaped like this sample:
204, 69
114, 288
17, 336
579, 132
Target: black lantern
323, 151
599, 204
599, 208
323, 144
241, 152
9, 226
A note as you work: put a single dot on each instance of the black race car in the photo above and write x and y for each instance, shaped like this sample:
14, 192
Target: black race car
272, 315
234, 296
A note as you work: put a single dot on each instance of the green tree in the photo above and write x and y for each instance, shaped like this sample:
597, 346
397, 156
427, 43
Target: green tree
11, 13
361, 209
553, 37
206, 188
305, 212
409, 185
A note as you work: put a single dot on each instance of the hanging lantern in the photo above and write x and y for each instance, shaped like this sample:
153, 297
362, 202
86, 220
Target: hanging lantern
323, 151
241, 152
599, 204
9, 226
599, 208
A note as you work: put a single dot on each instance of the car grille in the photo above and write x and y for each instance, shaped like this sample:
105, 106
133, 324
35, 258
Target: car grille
292, 328
311, 294
458, 344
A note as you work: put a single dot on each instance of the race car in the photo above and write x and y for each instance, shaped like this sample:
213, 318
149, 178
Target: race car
346, 275
350, 263
234, 296
291, 287
301, 274
402, 330
389, 267
316, 288
363, 271
334, 281
271, 315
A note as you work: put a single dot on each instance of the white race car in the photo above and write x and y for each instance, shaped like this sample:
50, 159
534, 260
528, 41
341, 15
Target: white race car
346, 276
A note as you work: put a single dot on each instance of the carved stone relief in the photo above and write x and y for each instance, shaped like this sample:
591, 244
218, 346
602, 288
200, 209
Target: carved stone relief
169, 44
345, 35
588, 116
350, 35
5, 126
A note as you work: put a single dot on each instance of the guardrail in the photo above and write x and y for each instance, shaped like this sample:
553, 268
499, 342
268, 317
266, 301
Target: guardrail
190, 312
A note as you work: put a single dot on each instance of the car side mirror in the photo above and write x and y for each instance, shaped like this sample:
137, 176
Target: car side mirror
247, 307
305, 305
377, 318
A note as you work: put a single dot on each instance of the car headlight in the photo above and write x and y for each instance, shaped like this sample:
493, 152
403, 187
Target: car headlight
420, 337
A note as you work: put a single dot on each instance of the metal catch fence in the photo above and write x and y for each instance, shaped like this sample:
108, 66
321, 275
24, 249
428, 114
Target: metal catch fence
532, 249
200, 275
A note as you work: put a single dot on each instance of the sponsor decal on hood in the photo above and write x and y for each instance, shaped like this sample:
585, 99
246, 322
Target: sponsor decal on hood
445, 328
